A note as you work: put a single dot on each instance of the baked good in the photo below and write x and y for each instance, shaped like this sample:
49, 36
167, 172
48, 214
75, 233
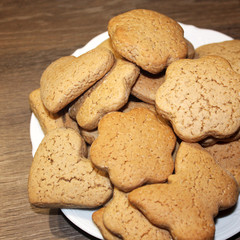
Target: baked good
147, 38
49, 121
61, 177
227, 155
227, 49
122, 219
147, 85
201, 98
91, 135
68, 77
97, 218
107, 95
188, 203
134, 148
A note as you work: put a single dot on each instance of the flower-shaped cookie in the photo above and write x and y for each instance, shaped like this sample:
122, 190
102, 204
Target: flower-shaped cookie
134, 147
201, 98
147, 38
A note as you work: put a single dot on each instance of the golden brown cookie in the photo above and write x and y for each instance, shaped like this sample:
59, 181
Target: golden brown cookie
108, 44
49, 121
147, 85
109, 94
227, 155
201, 98
68, 77
227, 49
134, 148
122, 219
97, 218
147, 38
188, 203
61, 177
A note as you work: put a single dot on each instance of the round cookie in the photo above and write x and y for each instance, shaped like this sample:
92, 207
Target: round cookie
227, 49
68, 77
147, 38
134, 148
61, 177
201, 98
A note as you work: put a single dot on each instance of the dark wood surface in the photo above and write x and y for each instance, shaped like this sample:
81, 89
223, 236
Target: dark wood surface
32, 35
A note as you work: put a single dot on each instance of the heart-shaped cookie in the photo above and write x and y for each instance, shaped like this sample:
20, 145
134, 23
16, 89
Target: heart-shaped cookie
61, 177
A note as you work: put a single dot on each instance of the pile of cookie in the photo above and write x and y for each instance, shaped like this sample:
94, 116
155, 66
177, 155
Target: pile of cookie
144, 128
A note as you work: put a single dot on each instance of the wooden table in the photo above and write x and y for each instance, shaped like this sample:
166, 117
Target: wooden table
32, 35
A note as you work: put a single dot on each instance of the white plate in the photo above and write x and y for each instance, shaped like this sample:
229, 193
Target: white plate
227, 223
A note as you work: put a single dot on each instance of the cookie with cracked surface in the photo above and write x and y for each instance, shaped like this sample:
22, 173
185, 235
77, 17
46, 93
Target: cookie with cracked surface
134, 148
188, 203
227, 49
49, 121
122, 219
61, 177
91, 135
107, 95
97, 218
146, 86
201, 98
227, 155
68, 77
147, 38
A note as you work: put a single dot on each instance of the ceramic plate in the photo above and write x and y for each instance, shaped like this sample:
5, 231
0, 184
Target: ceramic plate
227, 222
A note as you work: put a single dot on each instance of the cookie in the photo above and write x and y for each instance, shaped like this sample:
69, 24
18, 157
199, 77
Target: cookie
91, 135
147, 85
188, 203
61, 177
49, 121
97, 218
134, 148
147, 38
108, 44
201, 98
211, 141
109, 94
191, 50
68, 77
227, 49
227, 155
122, 219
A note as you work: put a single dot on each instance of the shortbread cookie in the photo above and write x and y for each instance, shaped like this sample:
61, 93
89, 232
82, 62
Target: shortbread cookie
97, 218
147, 85
147, 38
201, 98
227, 155
122, 219
109, 94
61, 177
188, 203
227, 49
49, 121
68, 77
134, 148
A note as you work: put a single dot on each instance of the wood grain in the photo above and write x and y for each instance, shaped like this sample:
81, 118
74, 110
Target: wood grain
32, 35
